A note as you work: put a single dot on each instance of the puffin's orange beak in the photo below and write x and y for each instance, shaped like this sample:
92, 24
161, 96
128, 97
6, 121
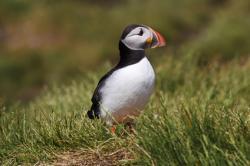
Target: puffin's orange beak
157, 40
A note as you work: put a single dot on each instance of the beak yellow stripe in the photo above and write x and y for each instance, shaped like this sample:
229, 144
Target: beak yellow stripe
149, 40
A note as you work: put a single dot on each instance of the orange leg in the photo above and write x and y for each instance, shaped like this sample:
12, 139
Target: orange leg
113, 129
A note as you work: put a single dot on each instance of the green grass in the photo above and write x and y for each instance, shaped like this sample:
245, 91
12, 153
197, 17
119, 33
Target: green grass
196, 116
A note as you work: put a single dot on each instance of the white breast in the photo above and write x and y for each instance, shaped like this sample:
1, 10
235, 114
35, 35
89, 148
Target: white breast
127, 91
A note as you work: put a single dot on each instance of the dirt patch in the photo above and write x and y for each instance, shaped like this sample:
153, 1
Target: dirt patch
89, 157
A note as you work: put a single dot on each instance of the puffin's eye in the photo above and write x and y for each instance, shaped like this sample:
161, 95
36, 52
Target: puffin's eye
141, 32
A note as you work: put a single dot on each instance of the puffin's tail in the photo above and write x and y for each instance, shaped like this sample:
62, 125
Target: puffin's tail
93, 112
90, 114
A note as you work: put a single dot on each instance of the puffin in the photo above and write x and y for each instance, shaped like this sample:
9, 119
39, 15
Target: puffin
123, 92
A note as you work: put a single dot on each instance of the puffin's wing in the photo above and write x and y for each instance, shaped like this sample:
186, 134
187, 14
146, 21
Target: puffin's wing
96, 98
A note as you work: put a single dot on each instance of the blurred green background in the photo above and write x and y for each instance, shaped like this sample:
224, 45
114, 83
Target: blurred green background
45, 42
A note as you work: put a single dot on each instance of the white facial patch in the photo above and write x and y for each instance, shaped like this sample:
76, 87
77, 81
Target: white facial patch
136, 39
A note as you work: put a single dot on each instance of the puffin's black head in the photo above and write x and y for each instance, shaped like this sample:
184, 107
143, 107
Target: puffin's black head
140, 37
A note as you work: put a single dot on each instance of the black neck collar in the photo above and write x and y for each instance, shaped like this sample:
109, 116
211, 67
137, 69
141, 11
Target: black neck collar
128, 56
